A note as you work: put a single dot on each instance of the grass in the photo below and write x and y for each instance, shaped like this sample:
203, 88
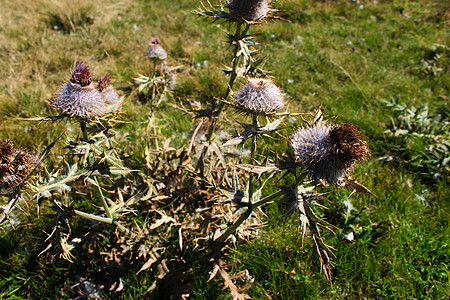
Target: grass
339, 55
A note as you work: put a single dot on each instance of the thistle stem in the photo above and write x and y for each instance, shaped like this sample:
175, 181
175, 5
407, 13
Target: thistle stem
233, 76
252, 157
252, 206
230, 230
84, 130
104, 220
102, 198
93, 217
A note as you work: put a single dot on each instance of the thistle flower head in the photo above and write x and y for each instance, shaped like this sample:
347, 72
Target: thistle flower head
112, 100
80, 98
251, 10
259, 97
15, 165
155, 41
156, 51
79, 101
81, 75
104, 83
328, 152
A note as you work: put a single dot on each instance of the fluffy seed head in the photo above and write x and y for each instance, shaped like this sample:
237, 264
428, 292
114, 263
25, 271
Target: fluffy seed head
81, 75
156, 51
328, 152
259, 97
251, 10
15, 165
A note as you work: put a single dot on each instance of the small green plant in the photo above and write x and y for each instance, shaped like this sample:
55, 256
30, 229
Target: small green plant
421, 139
434, 60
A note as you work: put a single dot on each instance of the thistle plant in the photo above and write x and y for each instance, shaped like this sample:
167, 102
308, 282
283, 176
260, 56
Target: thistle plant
161, 78
324, 151
420, 138
81, 99
92, 161
155, 51
245, 61
153, 89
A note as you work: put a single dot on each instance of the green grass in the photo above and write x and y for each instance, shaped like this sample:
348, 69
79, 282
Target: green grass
330, 54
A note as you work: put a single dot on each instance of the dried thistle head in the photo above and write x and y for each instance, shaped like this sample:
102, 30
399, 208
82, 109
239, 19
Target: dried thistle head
328, 152
155, 50
15, 165
250, 10
259, 97
350, 143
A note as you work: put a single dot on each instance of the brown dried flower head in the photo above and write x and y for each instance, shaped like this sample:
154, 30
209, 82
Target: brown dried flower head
328, 152
155, 50
259, 97
15, 165
250, 10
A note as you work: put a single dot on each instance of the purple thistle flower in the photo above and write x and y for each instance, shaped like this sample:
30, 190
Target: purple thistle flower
79, 97
81, 75
104, 83
155, 50
259, 97
328, 152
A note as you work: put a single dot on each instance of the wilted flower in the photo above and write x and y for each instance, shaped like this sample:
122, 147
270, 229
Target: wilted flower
329, 151
259, 97
79, 97
156, 51
15, 165
112, 100
251, 10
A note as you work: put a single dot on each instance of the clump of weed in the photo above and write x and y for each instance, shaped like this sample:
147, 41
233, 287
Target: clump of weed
420, 139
